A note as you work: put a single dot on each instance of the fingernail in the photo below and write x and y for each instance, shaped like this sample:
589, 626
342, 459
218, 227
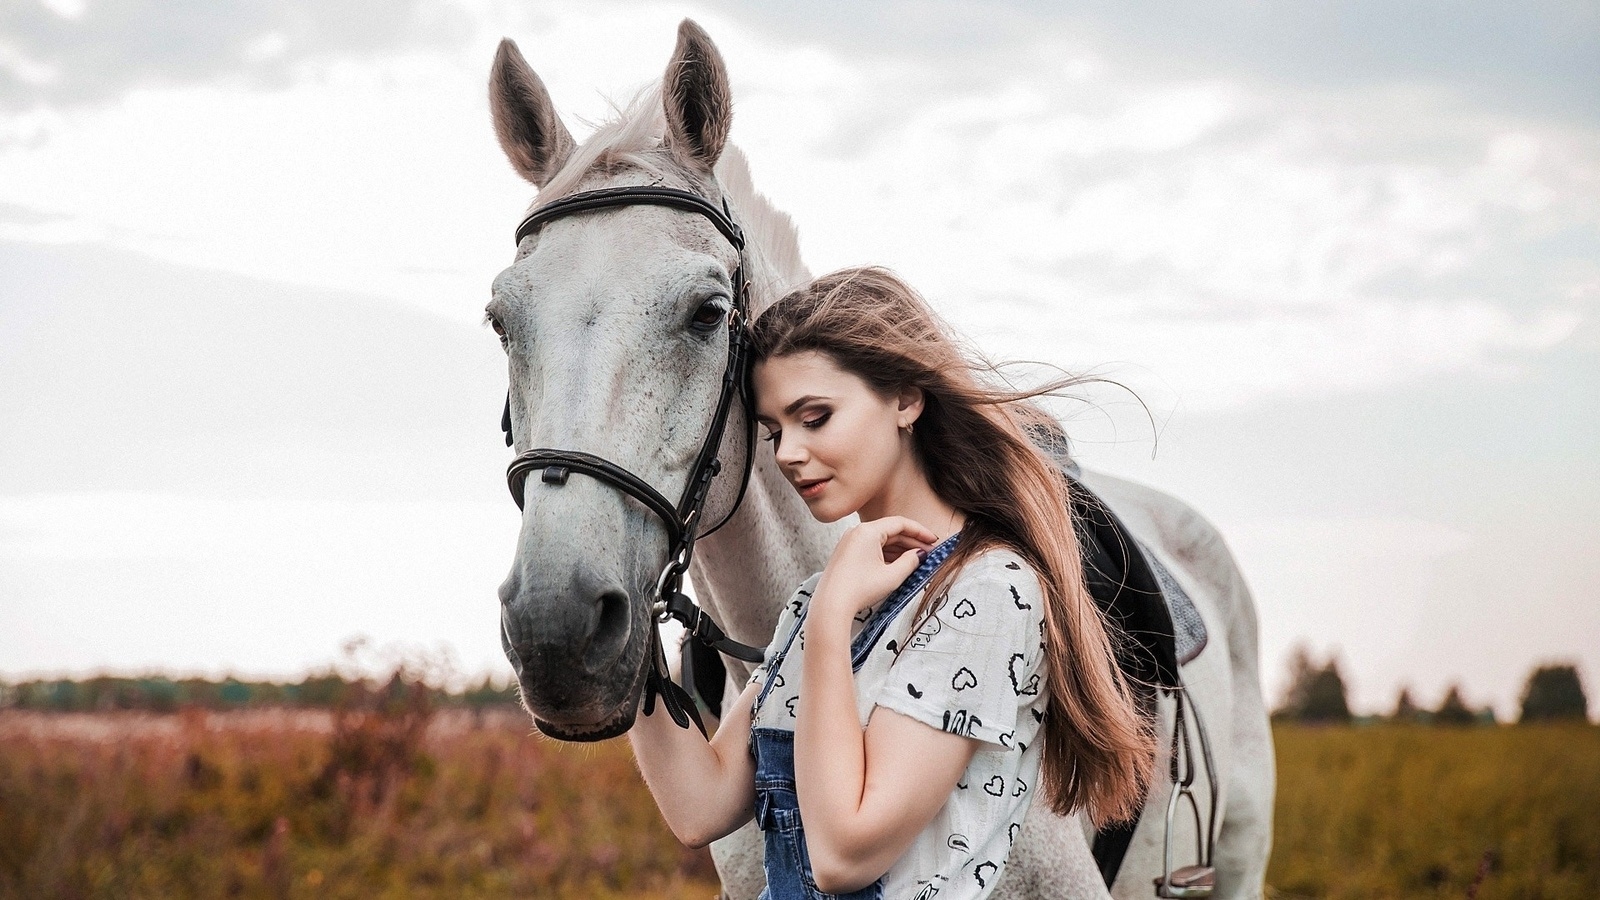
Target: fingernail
922, 555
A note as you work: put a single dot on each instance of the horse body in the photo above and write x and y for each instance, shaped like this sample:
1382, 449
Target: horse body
597, 310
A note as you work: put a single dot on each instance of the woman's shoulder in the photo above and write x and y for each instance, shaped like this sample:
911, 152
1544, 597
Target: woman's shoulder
995, 591
998, 565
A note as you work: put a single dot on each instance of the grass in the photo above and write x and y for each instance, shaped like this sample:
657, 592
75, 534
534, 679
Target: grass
401, 801
297, 804
1415, 812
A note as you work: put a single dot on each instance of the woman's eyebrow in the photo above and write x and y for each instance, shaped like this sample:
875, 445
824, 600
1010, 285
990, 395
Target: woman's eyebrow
789, 410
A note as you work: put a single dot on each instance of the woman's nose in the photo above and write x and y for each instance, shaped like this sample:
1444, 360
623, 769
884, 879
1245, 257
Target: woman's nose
790, 452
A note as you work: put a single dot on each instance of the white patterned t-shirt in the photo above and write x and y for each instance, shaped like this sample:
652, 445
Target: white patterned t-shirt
974, 667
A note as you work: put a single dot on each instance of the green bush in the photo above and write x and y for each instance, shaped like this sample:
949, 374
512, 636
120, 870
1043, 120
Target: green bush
1554, 693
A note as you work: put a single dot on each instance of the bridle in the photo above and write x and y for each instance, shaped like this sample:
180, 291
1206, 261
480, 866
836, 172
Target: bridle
682, 520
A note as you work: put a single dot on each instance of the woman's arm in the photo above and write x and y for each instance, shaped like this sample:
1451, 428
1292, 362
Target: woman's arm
705, 790
864, 794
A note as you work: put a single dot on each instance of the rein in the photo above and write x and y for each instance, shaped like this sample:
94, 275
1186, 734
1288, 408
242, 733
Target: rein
682, 519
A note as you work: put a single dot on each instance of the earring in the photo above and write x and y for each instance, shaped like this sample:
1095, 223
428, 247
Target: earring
909, 427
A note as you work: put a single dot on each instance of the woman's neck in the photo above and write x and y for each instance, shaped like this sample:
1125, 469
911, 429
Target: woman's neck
908, 493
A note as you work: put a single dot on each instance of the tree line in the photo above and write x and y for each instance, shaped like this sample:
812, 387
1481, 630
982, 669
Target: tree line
1316, 694
159, 693
1552, 693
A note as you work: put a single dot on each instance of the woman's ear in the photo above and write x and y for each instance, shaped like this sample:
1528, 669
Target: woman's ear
910, 400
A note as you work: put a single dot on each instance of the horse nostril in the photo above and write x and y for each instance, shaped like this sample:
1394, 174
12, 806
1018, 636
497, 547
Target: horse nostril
509, 589
611, 630
507, 645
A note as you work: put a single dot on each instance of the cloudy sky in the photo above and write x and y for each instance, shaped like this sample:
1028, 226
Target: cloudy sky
1347, 253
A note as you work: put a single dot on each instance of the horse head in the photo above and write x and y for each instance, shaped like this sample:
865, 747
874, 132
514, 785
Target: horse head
615, 325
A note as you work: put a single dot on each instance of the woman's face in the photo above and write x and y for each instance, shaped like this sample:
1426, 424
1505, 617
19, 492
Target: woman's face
838, 442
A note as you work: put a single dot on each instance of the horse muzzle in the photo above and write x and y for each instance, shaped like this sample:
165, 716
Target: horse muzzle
579, 653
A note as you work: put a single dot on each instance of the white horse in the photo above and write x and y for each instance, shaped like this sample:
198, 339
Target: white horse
603, 317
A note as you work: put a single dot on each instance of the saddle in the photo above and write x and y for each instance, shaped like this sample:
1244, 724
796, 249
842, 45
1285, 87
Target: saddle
1160, 630
1136, 592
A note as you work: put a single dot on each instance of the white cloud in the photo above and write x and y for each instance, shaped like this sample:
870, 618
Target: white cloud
1305, 242
50, 230
1056, 179
26, 69
67, 9
381, 179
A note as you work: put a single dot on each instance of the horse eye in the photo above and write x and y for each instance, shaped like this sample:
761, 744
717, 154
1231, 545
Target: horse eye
499, 330
710, 314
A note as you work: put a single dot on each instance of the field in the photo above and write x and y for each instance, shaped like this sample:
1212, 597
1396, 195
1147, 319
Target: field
279, 803
275, 804
1410, 811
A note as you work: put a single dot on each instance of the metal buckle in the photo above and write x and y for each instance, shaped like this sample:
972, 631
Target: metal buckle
669, 582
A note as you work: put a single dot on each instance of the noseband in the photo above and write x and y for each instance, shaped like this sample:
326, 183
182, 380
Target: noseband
682, 520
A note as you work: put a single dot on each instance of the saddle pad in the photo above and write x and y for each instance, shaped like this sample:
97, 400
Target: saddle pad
1119, 591
1188, 629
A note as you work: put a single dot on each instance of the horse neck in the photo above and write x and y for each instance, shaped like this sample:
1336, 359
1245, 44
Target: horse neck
745, 572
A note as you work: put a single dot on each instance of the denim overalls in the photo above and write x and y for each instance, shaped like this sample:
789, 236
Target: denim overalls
777, 806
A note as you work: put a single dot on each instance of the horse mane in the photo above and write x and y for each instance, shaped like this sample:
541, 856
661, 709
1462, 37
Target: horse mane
633, 139
769, 230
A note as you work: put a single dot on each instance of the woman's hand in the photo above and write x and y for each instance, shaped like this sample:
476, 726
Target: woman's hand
870, 561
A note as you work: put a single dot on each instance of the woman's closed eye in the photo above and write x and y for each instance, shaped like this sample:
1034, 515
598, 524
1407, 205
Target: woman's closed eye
814, 422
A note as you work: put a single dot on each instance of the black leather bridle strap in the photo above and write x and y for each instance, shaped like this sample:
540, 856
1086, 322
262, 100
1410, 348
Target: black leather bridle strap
708, 632
557, 464
629, 195
680, 519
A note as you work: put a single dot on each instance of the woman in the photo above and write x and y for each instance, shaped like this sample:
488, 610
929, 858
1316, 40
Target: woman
947, 665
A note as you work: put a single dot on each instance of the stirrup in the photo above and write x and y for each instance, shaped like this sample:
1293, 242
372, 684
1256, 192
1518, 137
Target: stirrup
1200, 879
1188, 881
1185, 881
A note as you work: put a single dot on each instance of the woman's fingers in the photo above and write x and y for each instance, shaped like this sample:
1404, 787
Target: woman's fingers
893, 527
906, 563
873, 557
899, 545
898, 535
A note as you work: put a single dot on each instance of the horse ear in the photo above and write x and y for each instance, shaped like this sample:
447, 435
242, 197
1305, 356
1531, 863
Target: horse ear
699, 105
525, 120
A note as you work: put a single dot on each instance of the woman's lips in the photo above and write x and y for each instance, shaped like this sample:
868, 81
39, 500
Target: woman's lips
812, 490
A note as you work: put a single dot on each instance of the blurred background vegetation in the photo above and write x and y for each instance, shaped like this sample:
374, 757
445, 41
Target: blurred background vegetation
341, 786
329, 787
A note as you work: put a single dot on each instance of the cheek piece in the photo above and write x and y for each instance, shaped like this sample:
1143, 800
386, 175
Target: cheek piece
682, 520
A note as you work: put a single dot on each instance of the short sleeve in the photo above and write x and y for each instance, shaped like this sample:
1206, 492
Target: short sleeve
974, 663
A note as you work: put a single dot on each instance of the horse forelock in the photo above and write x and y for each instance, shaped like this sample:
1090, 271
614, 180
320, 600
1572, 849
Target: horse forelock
631, 137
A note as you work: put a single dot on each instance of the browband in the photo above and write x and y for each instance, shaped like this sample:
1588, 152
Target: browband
608, 198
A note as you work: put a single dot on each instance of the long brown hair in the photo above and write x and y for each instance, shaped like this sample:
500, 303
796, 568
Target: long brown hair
972, 441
